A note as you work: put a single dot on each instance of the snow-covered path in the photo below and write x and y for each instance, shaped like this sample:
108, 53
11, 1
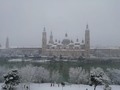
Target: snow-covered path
69, 87
46, 86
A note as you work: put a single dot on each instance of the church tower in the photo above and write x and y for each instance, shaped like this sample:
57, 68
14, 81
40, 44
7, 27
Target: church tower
44, 42
87, 42
7, 43
51, 39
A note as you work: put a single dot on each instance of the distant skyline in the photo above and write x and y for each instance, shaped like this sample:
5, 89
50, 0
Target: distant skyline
22, 21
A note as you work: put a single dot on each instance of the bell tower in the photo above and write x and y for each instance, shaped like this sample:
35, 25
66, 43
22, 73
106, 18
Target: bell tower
87, 42
44, 42
7, 43
51, 39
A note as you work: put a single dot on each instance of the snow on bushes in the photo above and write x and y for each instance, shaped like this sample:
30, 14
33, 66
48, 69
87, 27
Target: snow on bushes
99, 71
27, 73
55, 76
3, 71
98, 77
41, 75
34, 74
78, 75
114, 75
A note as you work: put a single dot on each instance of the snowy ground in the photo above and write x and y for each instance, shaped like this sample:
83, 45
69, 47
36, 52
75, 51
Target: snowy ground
67, 87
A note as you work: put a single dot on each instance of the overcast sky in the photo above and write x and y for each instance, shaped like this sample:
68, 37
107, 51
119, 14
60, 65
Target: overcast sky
23, 21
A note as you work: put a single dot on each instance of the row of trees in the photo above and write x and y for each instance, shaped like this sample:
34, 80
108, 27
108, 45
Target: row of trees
77, 75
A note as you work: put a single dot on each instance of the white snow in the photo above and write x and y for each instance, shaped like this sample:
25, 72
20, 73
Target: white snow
19, 60
46, 86
40, 61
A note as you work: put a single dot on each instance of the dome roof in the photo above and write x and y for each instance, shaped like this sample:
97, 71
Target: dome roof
66, 41
71, 43
82, 42
77, 45
56, 42
53, 46
49, 44
77, 42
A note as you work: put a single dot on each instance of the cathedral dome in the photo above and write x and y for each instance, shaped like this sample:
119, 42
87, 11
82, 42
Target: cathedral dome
54, 46
77, 42
50, 44
71, 43
59, 43
56, 42
66, 41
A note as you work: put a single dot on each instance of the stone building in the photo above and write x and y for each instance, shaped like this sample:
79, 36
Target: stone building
66, 48
7, 43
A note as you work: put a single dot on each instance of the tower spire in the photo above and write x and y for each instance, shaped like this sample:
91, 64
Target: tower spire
44, 29
66, 35
87, 27
7, 43
44, 41
51, 38
87, 41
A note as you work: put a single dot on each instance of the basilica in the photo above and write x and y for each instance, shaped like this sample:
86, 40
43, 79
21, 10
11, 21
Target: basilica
66, 48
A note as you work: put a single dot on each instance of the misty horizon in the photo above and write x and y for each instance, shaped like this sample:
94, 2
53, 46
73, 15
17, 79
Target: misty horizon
23, 21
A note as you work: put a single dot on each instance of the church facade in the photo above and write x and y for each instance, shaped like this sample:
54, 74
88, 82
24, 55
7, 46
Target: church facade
66, 48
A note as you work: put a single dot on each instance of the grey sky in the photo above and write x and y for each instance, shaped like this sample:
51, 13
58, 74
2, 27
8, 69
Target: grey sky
23, 21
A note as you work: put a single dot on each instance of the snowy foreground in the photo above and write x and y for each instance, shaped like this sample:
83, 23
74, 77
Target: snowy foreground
47, 86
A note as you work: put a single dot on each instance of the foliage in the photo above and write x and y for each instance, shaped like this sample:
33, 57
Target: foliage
11, 79
114, 75
98, 77
78, 75
34, 74
73, 72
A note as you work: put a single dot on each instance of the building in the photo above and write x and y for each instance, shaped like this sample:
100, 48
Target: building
66, 48
7, 43
20, 52
105, 53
